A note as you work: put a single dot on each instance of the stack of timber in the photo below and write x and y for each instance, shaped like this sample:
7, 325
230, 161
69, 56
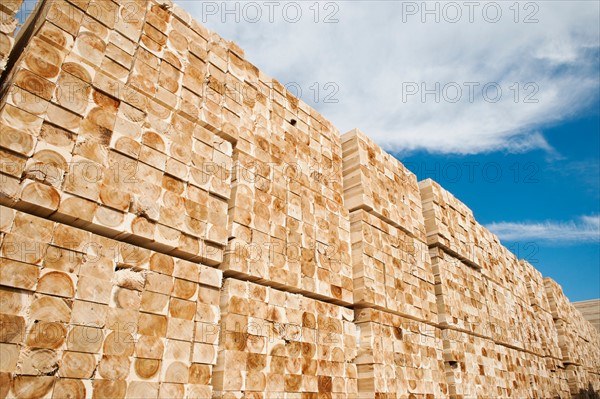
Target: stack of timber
450, 225
590, 310
578, 340
392, 269
8, 27
455, 236
506, 314
461, 293
485, 292
582, 382
378, 183
565, 323
398, 357
276, 344
542, 321
470, 364
547, 378
524, 375
289, 228
96, 127
83, 315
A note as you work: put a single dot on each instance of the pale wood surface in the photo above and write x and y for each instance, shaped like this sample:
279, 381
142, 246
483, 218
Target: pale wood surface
590, 311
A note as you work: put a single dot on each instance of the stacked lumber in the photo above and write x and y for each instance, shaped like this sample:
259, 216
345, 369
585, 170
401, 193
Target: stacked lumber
8, 14
83, 315
470, 365
582, 384
558, 301
506, 317
562, 312
592, 348
98, 134
578, 340
450, 224
461, 293
378, 183
518, 324
288, 225
482, 291
588, 340
541, 321
590, 310
392, 269
560, 374
546, 377
289, 228
525, 375
536, 288
398, 357
490, 277
512, 373
138, 149
275, 344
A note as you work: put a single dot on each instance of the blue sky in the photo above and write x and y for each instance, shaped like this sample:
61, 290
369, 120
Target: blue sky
514, 92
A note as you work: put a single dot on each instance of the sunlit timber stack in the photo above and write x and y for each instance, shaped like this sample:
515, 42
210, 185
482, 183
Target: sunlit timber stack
175, 224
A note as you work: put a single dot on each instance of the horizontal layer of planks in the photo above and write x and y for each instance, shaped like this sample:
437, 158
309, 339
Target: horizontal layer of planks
392, 269
377, 182
398, 357
275, 343
83, 315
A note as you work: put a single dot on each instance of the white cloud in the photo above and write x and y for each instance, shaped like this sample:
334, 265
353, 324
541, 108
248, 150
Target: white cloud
586, 229
371, 54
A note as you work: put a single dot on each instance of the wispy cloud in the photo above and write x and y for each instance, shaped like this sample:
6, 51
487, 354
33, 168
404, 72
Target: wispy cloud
584, 171
547, 70
585, 229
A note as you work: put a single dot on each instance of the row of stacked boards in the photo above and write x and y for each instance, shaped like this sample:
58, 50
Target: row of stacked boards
175, 224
